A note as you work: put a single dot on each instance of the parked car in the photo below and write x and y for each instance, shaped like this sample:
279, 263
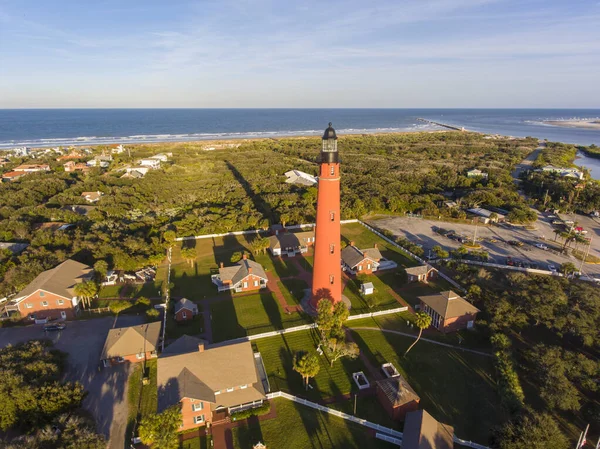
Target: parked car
552, 268
541, 246
54, 327
509, 261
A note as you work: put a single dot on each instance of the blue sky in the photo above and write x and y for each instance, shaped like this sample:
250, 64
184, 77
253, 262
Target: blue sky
403, 53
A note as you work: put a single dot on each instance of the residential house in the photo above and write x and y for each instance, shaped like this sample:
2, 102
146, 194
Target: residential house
92, 197
73, 166
209, 383
150, 163
131, 344
359, 261
15, 248
476, 173
12, 176
246, 275
185, 310
423, 431
51, 295
79, 209
291, 243
300, 178
486, 215
72, 155
135, 172
160, 157
397, 397
32, 168
53, 226
117, 149
422, 273
564, 172
102, 161
448, 311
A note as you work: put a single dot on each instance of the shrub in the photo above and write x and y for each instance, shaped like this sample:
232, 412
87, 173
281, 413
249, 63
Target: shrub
258, 411
118, 306
152, 314
142, 301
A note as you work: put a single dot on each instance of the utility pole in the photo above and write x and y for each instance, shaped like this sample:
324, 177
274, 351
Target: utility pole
355, 395
475, 233
585, 255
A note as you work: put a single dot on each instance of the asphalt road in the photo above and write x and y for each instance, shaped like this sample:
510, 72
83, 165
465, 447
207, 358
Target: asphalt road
107, 388
422, 232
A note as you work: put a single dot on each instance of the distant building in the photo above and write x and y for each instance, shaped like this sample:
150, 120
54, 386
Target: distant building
72, 167
14, 248
487, 216
79, 209
448, 311
51, 295
476, 173
12, 176
185, 310
72, 155
300, 178
246, 275
564, 172
209, 383
422, 273
92, 197
102, 161
291, 243
150, 163
131, 344
397, 397
422, 431
160, 157
367, 288
117, 149
32, 168
135, 172
359, 261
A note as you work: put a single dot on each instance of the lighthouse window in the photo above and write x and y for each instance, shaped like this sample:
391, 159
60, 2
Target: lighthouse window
332, 170
331, 279
332, 216
331, 248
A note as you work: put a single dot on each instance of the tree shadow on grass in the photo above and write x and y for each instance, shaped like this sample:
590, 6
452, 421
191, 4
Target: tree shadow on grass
272, 310
249, 433
225, 324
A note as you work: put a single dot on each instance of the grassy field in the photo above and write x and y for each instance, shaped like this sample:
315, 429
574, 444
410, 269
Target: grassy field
293, 290
277, 265
455, 387
149, 290
381, 299
142, 399
196, 443
363, 238
299, 427
278, 353
253, 314
411, 292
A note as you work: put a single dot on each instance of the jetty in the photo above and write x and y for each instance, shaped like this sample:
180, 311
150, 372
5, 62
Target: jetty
443, 125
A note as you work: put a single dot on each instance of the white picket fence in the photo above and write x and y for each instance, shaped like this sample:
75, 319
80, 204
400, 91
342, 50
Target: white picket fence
507, 267
383, 433
381, 312
354, 419
409, 254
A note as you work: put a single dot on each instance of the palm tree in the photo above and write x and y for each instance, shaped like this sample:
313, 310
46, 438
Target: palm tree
423, 321
307, 365
86, 291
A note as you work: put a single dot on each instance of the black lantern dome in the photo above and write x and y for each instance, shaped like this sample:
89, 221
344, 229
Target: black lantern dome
329, 152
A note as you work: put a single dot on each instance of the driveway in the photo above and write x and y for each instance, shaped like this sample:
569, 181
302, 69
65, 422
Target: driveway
107, 388
422, 232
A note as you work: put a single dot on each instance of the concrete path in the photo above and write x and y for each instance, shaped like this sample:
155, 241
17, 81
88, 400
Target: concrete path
404, 334
527, 163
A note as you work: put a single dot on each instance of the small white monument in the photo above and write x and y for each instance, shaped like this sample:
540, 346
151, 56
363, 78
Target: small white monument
367, 288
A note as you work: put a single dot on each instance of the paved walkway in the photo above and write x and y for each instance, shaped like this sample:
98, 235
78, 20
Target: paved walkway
460, 348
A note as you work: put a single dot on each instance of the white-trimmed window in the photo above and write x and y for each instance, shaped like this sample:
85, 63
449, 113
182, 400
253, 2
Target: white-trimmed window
41, 293
139, 356
60, 302
245, 285
256, 283
360, 268
29, 305
368, 266
243, 387
229, 390
217, 392
331, 279
331, 248
184, 315
45, 303
332, 170
197, 406
332, 216
198, 419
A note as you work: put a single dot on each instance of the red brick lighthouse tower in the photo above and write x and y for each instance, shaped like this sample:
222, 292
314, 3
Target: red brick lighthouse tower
327, 270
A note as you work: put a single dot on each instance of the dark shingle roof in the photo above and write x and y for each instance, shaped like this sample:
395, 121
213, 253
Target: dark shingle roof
131, 340
352, 256
59, 280
422, 431
185, 303
449, 304
398, 391
420, 270
241, 270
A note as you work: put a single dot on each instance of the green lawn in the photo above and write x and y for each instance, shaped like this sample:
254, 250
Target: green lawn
277, 265
411, 292
196, 443
363, 238
253, 314
293, 290
176, 329
381, 299
142, 399
455, 387
299, 427
149, 290
278, 353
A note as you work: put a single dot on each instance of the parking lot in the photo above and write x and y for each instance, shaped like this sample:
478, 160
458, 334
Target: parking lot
494, 239
107, 388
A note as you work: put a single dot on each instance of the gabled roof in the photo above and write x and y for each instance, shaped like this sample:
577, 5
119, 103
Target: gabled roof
183, 345
290, 239
241, 270
131, 340
199, 374
185, 303
398, 391
422, 431
420, 270
352, 256
60, 280
449, 305
79, 209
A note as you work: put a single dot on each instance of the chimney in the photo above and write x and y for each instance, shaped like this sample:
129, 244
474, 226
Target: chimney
249, 269
244, 256
201, 346
222, 265
375, 246
352, 243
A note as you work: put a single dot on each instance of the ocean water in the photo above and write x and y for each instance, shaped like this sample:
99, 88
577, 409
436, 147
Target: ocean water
56, 127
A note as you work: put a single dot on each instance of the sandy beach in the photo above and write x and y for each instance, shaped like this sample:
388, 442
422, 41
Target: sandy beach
589, 124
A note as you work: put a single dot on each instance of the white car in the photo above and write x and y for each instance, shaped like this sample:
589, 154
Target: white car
541, 246
552, 268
